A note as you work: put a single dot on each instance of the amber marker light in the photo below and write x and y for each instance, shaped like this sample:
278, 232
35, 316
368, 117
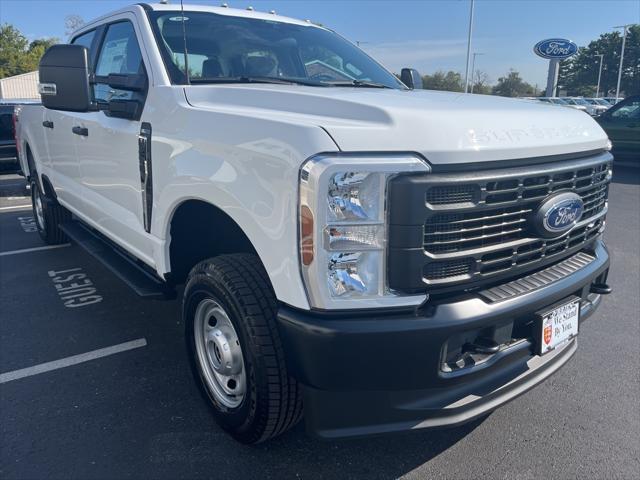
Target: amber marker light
306, 235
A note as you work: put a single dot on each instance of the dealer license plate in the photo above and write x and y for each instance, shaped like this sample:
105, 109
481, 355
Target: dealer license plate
559, 325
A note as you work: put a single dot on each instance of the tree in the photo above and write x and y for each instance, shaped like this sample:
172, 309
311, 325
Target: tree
12, 48
36, 51
513, 86
480, 82
450, 81
17, 55
579, 74
72, 23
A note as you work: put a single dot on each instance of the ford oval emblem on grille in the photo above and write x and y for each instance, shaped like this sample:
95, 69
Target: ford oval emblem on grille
558, 213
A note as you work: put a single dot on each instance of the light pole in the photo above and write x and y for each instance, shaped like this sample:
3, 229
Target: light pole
473, 67
624, 38
466, 73
599, 75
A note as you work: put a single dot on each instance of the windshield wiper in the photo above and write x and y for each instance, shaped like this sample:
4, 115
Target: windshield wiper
358, 83
272, 80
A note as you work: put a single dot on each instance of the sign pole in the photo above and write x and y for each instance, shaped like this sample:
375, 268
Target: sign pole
599, 75
552, 77
466, 73
624, 38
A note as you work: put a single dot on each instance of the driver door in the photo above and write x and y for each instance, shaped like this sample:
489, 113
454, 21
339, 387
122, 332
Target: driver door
107, 146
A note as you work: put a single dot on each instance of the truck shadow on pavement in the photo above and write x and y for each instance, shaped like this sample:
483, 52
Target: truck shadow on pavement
200, 446
387, 456
626, 175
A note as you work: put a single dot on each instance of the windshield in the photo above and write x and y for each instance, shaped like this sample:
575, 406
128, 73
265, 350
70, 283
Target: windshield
223, 48
580, 101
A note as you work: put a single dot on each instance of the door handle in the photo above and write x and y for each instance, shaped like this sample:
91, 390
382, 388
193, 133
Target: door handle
81, 131
47, 124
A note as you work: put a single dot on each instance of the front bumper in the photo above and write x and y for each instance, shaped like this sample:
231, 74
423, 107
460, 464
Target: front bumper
367, 373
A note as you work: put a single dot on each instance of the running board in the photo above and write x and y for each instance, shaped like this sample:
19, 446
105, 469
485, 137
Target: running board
141, 281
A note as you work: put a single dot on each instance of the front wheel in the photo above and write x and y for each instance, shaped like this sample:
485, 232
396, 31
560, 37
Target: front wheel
229, 310
48, 215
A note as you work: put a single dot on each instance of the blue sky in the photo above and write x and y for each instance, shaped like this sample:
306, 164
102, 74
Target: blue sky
427, 34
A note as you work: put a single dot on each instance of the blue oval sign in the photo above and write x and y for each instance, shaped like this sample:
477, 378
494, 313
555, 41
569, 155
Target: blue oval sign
562, 214
555, 48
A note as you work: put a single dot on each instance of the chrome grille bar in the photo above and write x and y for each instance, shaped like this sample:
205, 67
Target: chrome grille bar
479, 226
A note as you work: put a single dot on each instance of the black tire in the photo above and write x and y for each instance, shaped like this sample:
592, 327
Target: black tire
273, 402
52, 215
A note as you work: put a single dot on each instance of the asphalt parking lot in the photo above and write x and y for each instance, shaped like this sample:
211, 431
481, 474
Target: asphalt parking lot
111, 394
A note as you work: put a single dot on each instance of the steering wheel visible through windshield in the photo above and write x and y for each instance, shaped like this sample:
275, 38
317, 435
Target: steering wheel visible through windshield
228, 49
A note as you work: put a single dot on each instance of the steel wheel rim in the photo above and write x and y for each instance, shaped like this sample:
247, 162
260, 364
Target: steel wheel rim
219, 353
37, 201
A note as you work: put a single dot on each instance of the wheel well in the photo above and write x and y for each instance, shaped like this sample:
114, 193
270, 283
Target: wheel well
47, 187
30, 162
200, 230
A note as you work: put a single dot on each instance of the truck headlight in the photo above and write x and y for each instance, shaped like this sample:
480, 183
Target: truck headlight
343, 229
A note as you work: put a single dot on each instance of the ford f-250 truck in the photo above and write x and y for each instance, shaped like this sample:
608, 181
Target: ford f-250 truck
387, 258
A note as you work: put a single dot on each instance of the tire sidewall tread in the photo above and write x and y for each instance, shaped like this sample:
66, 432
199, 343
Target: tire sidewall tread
54, 214
272, 402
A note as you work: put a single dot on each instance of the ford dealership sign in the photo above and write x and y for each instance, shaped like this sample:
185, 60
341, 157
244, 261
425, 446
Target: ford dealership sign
555, 48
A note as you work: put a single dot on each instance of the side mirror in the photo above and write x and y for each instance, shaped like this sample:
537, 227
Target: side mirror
411, 78
65, 79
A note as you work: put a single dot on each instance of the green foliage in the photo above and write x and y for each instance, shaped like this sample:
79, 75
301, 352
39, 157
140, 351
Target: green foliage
513, 86
450, 81
480, 83
579, 74
17, 55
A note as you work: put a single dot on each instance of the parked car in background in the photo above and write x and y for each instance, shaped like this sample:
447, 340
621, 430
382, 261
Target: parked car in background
599, 104
580, 104
613, 100
622, 124
551, 100
8, 153
565, 102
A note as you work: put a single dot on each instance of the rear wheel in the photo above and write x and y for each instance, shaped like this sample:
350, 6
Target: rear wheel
48, 214
229, 310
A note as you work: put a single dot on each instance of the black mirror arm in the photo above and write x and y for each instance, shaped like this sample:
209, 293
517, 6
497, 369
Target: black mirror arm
132, 83
127, 109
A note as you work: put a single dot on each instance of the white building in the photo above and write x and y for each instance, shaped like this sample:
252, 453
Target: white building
20, 86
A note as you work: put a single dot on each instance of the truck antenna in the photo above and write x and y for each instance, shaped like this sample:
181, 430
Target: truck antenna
184, 39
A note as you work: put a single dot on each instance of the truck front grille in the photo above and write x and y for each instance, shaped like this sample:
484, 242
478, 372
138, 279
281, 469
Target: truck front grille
476, 226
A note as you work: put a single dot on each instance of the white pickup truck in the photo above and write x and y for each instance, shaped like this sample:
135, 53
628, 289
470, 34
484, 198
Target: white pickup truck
386, 257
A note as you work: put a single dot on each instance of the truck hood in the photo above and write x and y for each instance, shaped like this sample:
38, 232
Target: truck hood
446, 128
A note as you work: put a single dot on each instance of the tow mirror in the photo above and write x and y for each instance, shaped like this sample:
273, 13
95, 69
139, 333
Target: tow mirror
65, 79
411, 78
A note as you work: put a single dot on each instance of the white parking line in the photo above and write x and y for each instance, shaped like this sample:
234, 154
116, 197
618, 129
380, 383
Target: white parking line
74, 360
15, 207
34, 249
